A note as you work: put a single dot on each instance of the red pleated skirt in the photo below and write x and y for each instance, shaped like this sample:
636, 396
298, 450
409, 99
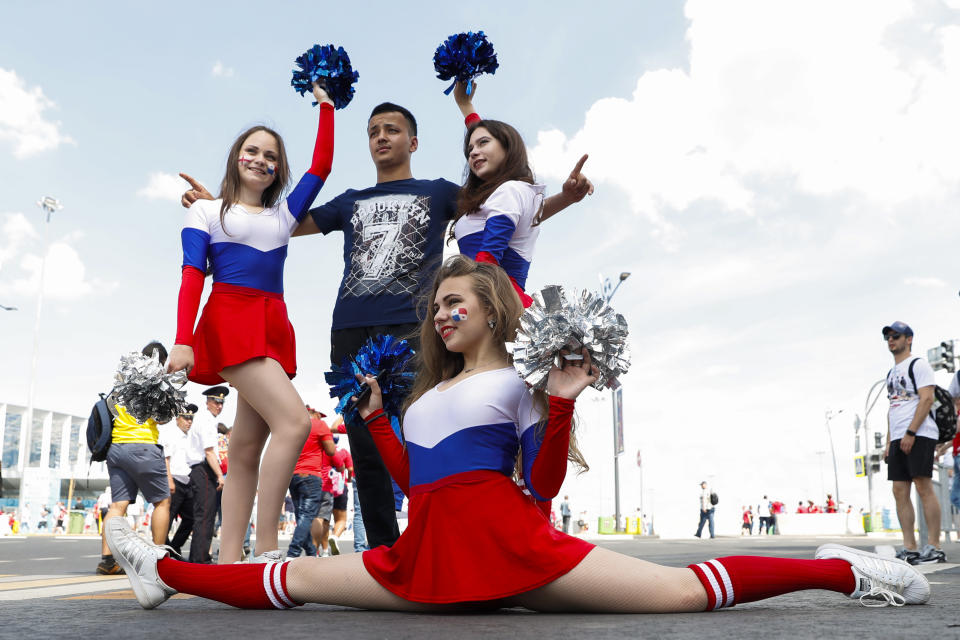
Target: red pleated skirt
473, 539
239, 324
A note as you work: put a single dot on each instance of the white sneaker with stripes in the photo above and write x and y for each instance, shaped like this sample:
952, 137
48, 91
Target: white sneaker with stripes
139, 559
880, 581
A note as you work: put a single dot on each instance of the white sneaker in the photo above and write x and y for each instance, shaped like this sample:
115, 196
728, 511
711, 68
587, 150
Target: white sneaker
268, 556
325, 554
880, 581
139, 560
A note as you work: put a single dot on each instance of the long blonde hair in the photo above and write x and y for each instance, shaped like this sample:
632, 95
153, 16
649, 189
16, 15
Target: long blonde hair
434, 363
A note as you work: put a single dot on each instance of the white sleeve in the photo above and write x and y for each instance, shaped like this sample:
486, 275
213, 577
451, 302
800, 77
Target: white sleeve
954, 388
506, 200
923, 374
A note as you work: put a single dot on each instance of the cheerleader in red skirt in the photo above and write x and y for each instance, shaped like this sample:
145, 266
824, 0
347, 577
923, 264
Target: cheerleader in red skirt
474, 538
243, 336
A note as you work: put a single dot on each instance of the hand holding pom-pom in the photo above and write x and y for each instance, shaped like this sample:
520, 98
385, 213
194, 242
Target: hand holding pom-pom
386, 361
329, 67
464, 56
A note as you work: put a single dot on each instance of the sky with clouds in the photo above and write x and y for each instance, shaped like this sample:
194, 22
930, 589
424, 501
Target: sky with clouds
779, 178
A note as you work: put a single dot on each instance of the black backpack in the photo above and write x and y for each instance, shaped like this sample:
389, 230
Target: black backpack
714, 498
943, 411
99, 430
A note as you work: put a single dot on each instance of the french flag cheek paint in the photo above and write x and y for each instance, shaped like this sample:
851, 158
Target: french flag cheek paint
459, 315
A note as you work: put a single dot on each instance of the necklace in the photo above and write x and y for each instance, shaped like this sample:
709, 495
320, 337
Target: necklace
478, 366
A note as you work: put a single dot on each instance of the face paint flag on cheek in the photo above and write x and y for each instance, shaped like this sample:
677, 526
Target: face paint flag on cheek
459, 315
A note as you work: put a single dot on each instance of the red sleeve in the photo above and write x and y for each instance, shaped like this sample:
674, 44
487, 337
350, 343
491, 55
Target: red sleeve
323, 148
470, 119
323, 431
485, 256
391, 450
550, 466
191, 287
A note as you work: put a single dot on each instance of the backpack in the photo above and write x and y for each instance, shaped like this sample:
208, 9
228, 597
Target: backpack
942, 411
714, 498
99, 430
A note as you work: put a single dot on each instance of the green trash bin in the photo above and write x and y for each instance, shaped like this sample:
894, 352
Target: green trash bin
606, 525
76, 522
866, 523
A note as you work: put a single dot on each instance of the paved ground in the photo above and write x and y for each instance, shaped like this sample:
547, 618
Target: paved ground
52, 579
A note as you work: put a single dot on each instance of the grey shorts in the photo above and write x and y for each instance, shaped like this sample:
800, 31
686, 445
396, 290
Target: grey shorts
326, 505
133, 466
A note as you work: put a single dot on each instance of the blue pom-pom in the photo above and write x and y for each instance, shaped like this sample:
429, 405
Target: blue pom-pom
383, 356
464, 56
330, 67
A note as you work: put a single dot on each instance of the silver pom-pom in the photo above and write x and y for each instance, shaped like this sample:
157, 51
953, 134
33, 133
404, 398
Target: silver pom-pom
146, 390
557, 321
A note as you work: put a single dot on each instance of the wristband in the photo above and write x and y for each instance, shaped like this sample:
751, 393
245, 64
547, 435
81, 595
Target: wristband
911, 433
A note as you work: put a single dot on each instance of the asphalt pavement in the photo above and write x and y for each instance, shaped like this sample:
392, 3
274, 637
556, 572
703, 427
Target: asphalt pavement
48, 590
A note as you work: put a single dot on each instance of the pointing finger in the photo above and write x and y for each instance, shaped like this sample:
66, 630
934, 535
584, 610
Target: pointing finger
579, 166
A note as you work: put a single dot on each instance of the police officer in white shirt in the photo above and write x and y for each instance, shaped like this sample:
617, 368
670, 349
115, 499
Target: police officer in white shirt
206, 478
174, 442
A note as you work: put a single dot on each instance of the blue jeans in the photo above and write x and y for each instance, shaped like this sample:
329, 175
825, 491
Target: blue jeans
305, 491
955, 487
704, 517
359, 532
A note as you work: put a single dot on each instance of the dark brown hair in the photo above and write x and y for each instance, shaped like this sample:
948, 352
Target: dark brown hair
475, 191
434, 363
230, 185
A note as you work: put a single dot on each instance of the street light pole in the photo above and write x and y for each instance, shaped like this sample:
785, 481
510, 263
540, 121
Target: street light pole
867, 408
613, 402
833, 454
49, 205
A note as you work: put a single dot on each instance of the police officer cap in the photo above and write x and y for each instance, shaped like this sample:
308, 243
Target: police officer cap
189, 410
217, 393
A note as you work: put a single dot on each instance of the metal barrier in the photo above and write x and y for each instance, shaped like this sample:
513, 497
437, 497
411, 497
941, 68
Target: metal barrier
949, 516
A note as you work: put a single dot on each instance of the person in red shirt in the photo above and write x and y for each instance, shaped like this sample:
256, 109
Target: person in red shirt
812, 508
801, 508
831, 504
306, 486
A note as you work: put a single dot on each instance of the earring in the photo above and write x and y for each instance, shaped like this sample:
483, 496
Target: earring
491, 323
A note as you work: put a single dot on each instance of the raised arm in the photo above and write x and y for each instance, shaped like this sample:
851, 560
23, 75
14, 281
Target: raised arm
575, 188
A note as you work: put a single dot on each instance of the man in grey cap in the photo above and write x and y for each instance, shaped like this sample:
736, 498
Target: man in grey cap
911, 440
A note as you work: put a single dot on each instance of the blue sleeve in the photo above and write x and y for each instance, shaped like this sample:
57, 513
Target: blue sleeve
195, 243
530, 443
496, 235
327, 216
303, 195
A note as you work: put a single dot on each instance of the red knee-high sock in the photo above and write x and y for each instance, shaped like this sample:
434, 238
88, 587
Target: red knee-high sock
247, 586
736, 579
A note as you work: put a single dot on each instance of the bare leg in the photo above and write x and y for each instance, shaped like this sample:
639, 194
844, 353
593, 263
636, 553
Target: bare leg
249, 434
117, 509
160, 521
905, 513
264, 385
339, 522
610, 582
931, 509
344, 581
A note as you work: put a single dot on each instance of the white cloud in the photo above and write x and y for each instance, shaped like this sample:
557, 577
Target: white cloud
22, 119
221, 71
811, 93
164, 186
928, 283
65, 276
15, 230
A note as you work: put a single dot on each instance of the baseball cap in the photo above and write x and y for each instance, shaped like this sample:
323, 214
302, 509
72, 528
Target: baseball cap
898, 327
